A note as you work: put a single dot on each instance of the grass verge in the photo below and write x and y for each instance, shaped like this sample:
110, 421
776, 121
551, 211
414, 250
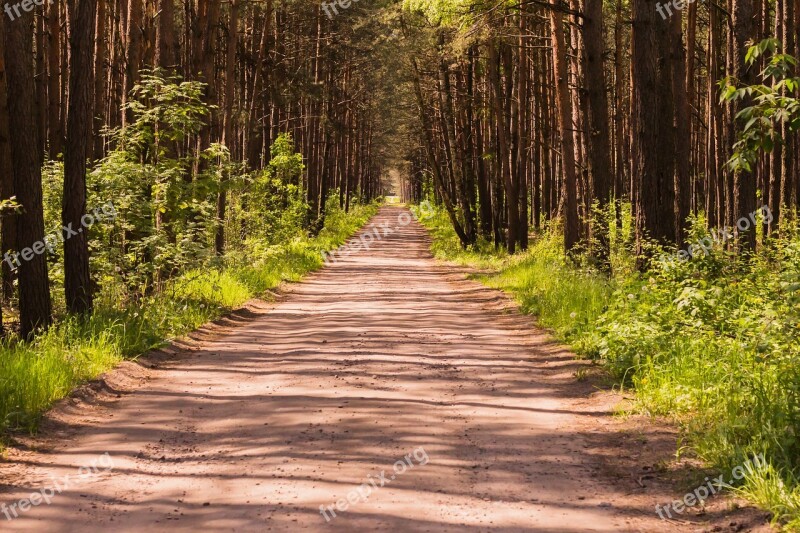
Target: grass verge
35, 375
713, 343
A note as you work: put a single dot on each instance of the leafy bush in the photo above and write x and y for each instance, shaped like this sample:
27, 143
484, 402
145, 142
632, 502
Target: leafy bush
710, 342
155, 269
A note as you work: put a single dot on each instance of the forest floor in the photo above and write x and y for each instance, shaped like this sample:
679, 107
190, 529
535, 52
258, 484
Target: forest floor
256, 421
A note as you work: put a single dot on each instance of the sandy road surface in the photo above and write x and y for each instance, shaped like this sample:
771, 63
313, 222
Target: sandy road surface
382, 356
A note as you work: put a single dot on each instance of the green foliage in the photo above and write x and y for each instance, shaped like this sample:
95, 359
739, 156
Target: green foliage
775, 103
154, 265
711, 342
37, 374
447, 246
269, 207
166, 209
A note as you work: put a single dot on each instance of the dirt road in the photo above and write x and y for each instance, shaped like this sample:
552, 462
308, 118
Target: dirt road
382, 357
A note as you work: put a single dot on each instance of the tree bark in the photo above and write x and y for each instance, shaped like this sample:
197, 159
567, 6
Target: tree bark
653, 116
54, 93
564, 118
77, 282
744, 183
34, 287
600, 144
9, 220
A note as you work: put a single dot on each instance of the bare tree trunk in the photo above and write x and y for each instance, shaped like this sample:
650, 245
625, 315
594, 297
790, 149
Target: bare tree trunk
744, 185
54, 124
564, 112
100, 58
77, 283
166, 45
9, 220
683, 138
34, 287
600, 145
133, 52
653, 115
503, 148
227, 139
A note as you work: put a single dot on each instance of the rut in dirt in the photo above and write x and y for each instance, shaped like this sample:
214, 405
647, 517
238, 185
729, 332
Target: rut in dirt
382, 393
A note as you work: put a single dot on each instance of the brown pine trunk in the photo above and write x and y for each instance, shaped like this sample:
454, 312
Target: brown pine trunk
34, 287
54, 94
133, 52
432, 162
100, 58
522, 131
744, 183
682, 131
503, 148
9, 220
77, 283
227, 138
653, 116
166, 45
600, 144
564, 118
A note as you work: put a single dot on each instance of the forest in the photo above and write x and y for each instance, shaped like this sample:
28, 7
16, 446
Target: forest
626, 171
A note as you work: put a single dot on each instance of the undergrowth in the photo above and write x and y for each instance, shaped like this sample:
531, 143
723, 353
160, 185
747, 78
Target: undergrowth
712, 343
35, 375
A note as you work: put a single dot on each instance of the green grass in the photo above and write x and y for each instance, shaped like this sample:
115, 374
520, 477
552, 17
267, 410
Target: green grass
566, 300
712, 344
35, 375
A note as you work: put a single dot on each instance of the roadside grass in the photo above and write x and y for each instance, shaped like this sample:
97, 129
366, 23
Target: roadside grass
35, 375
713, 343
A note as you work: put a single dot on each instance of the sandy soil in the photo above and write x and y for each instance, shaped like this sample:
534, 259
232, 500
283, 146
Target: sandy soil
384, 356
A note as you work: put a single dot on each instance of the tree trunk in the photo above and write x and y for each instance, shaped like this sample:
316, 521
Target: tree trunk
77, 283
34, 287
166, 45
600, 144
227, 139
744, 183
9, 220
503, 148
54, 93
133, 52
100, 58
564, 112
683, 136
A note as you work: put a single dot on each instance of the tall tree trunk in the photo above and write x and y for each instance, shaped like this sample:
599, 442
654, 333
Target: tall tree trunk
504, 148
100, 59
34, 287
166, 45
77, 283
227, 139
522, 131
653, 116
564, 117
744, 183
683, 137
434, 165
600, 144
133, 52
54, 93
9, 220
